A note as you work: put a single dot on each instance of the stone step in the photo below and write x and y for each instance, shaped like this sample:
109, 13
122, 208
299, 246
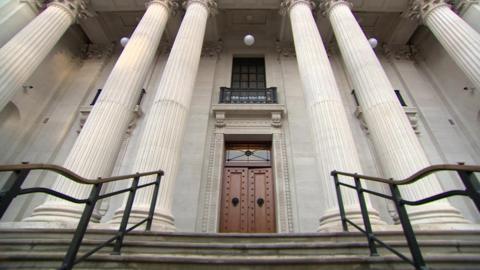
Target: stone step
99, 234
159, 261
251, 249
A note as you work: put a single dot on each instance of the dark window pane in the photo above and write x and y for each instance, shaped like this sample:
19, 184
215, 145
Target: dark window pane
244, 85
261, 85
252, 85
244, 78
253, 69
236, 77
261, 77
235, 84
252, 77
244, 69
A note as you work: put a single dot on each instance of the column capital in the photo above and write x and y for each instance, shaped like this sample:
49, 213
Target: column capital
76, 8
420, 9
171, 5
327, 5
286, 5
211, 5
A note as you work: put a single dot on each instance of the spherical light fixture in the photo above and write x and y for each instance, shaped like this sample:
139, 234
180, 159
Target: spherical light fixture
124, 41
373, 42
249, 40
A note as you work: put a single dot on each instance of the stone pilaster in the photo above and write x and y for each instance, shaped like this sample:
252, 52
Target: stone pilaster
333, 139
396, 144
96, 149
162, 136
459, 39
21, 56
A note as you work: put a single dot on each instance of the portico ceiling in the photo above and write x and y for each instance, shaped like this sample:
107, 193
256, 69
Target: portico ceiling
118, 18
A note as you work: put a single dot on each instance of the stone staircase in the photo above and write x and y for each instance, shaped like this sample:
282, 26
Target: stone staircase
45, 248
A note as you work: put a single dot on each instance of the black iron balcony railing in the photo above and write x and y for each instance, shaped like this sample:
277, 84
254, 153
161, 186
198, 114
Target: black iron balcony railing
248, 96
13, 188
472, 190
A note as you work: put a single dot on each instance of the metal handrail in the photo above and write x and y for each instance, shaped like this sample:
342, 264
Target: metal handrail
466, 173
13, 188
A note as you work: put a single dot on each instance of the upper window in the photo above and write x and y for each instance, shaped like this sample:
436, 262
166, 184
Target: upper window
248, 73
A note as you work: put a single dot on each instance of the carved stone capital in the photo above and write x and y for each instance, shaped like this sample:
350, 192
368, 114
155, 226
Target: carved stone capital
286, 5
77, 8
285, 50
211, 49
406, 52
211, 5
326, 5
97, 50
171, 5
420, 9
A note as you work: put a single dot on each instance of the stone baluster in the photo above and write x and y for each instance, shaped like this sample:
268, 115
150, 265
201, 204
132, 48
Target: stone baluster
395, 142
333, 138
160, 142
95, 150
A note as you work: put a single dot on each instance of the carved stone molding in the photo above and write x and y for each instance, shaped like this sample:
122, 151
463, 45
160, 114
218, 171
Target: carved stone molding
286, 5
211, 49
97, 51
420, 9
404, 52
411, 113
85, 112
270, 114
464, 5
326, 5
211, 5
285, 50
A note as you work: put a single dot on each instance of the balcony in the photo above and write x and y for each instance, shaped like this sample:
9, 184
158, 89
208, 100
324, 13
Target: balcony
248, 96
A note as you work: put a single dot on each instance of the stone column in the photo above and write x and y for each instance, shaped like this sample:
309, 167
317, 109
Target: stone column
160, 143
21, 56
459, 39
333, 138
95, 150
395, 142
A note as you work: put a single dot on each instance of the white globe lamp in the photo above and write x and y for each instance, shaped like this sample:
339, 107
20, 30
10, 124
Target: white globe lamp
124, 41
373, 42
249, 40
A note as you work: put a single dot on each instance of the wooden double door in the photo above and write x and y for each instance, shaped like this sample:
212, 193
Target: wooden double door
248, 204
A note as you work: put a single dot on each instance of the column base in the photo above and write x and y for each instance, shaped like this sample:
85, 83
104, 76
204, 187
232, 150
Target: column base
60, 212
330, 221
162, 221
435, 213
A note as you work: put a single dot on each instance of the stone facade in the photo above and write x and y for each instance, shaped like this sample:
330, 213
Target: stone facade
49, 111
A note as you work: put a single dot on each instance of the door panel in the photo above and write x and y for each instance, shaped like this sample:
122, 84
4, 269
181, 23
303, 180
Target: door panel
263, 203
248, 204
234, 197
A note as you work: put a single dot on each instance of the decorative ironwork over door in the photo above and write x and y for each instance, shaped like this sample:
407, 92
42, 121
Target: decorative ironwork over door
248, 204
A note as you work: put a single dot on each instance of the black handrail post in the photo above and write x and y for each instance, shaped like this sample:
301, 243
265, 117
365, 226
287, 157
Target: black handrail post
126, 214
418, 260
69, 259
154, 202
472, 186
340, 201
11, 189
366, 218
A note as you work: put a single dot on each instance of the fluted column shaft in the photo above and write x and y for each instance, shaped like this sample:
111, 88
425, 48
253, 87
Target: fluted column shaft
333, 138
21, 56
161, 139
395, 142
96, 149
458, 38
